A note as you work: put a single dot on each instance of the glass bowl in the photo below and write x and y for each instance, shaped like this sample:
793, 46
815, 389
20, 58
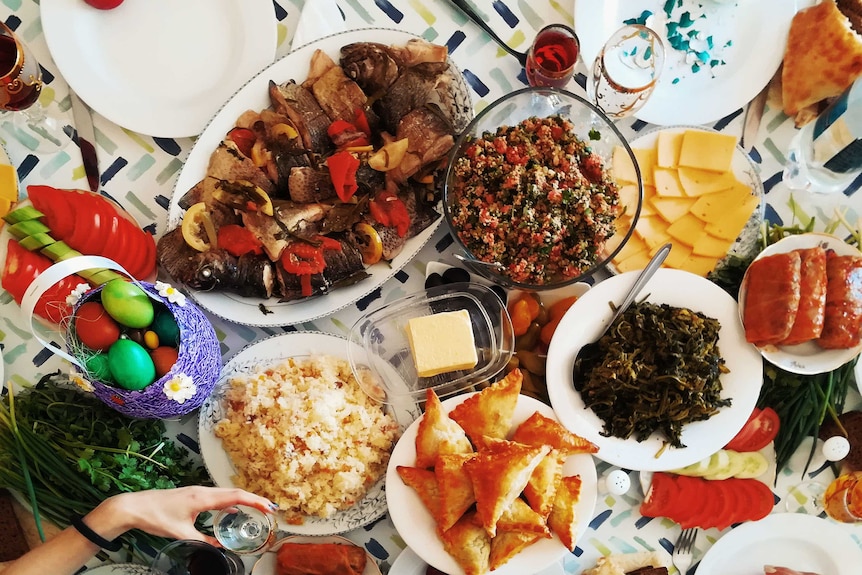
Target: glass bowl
383, 362
471, 223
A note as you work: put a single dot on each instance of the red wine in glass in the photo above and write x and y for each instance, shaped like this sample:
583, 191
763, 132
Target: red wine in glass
552, 57
20, 77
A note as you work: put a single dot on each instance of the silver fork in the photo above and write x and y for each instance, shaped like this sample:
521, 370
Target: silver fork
682, 550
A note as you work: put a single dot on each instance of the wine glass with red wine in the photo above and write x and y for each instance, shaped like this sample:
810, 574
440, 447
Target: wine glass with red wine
552, 57
626, 70
20, 87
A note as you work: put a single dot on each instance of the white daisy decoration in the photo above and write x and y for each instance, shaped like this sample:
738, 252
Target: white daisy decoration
171, 293
180, 388
82, 383
77, 294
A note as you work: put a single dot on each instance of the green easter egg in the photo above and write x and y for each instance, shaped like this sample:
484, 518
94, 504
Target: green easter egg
127, 303
131, 365
166, 328
97, 366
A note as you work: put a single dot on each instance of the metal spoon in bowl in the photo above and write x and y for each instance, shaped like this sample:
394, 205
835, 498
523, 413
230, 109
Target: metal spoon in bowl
493, 265
590, 350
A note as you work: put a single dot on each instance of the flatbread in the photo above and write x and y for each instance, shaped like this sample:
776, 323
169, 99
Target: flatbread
823, 57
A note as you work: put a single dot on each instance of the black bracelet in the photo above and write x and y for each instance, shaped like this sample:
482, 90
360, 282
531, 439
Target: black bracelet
95, 538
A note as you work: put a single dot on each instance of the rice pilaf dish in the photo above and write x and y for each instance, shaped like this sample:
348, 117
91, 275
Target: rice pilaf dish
305, 435
536, 199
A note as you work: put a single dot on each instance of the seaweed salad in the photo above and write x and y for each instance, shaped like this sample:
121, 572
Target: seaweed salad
656, 369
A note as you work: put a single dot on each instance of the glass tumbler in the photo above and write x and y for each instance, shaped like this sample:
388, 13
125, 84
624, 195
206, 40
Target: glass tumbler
843, 498
552, 57
626, 70
190, 557
244, 529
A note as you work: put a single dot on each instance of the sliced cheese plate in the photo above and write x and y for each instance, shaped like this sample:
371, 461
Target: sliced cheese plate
702, 193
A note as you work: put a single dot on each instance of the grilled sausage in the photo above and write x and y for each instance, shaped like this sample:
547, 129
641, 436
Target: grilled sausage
842, 326
772, 298
808, 324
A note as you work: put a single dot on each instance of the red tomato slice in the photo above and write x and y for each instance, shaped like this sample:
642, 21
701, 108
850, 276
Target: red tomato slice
725, 514
690, 501
709, 502
21, 268
761, 428
661, 496
760, 499
58, 213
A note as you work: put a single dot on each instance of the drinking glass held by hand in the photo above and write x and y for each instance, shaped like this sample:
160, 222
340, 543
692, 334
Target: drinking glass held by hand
626, 70
552, 57
20, 87
243, 529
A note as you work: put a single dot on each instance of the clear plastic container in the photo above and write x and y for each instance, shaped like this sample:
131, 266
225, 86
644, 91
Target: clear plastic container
383, 362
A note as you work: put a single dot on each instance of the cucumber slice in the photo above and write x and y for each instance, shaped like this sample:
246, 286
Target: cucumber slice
753, 464
36, 242
28, 228
22, 214
103, 276
734, 465
59, 251
696, 469
718, 463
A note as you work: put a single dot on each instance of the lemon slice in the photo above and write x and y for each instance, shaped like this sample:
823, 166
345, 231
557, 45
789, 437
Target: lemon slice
198, 229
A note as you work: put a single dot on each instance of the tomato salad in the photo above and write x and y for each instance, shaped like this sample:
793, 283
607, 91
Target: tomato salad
535, 198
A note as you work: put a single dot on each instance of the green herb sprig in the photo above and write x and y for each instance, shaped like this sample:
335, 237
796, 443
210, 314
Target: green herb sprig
66, 452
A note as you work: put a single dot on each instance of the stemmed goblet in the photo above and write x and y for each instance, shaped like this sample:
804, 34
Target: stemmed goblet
625, 72
244, 529
20, 87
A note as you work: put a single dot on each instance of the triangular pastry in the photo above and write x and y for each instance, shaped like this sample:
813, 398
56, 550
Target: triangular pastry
563, 519
542, 487
507, 544
424, 482
539, 429
455, 488
438, 434
499, 475
469, 545
520, 517
490, 411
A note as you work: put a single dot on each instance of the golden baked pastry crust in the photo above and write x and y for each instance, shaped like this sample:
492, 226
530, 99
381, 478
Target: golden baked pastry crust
499, 475
424, 482
539, 429
489, 412
468, 544
823, 57
438, 434
455, 488
542, 487
507, 544
521, 517
563, 519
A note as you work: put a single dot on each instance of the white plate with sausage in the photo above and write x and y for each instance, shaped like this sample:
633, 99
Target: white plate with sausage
809, 357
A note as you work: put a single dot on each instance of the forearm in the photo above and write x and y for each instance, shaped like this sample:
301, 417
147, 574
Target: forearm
68, 551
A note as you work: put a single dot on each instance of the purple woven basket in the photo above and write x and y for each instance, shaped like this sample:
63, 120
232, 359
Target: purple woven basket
199, 358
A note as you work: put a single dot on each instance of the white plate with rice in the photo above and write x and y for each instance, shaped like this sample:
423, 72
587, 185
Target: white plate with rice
254, 358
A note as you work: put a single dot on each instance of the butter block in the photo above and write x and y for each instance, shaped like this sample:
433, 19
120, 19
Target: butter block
703, 150
442, 342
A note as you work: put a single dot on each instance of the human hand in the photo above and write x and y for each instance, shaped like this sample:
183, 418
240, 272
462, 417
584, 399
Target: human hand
172, 512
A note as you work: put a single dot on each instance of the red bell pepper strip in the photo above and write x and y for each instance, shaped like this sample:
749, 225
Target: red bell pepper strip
19, 271
342, 171
238, 240
301, 258
390, 211
244, 140
361, 121
346, 135
305, 285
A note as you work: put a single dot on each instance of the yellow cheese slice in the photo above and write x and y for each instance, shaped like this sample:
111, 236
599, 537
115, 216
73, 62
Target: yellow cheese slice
713, 207
667, 183
704, 150
634, 245
686, 230
731, 223
677, 256
652, 230
646, 208
8, 183
699, 265
646, 158
698, 182
671, 209
711, 246
5, 208
629, 198
622, 166
636, 261
668, 145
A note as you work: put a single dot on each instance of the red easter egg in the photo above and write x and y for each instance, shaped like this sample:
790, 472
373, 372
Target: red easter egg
94, 327
164, 358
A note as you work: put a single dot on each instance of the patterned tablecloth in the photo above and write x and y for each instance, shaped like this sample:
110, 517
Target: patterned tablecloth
139, 172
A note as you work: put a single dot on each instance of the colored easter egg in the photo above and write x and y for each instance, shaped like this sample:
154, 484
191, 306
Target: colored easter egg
166, 327
127, 303
151, 339
94, 327
164, 357
98, 368
131, 365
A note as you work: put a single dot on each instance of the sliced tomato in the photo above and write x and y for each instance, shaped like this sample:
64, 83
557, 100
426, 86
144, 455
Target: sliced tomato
19, 271
243, 138
761, 428
704, 505
759, 499
689, 501
58, 213
661, 496
725, 514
